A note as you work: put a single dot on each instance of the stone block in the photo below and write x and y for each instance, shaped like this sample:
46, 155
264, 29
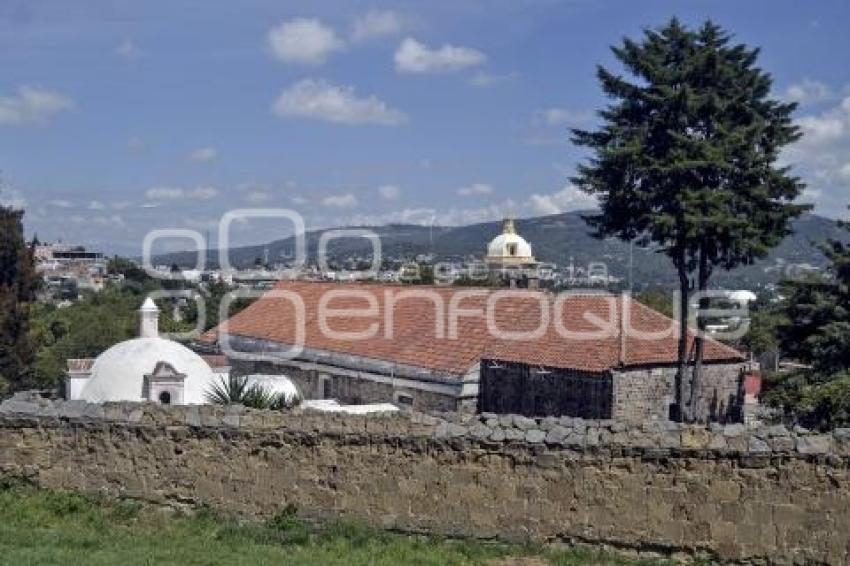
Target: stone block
757, 445
734, 430
781, 443
498, 435
480, 431
524, 423
777, 430
814, 444
535, 435
93, 411
514, 434
72, 409
15, 407
556, 434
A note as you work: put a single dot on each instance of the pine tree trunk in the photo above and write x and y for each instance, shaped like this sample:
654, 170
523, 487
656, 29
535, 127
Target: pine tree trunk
699, 341
681, 374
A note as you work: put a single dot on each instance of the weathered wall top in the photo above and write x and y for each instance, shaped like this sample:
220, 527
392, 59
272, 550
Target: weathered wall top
651, 440
764, 496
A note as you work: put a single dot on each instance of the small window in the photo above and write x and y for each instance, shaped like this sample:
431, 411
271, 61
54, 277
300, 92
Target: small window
325, 387
165, 398
406, 400
512, 249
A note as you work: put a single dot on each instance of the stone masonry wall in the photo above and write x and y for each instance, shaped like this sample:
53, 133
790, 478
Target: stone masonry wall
642, 394
768, 494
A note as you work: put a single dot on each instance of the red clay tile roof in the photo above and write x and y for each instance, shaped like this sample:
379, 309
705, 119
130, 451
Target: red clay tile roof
586, 336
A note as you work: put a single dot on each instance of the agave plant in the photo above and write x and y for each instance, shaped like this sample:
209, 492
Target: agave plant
230, 390
237, 390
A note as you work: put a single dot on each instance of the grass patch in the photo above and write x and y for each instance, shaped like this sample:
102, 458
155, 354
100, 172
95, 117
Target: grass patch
55, 527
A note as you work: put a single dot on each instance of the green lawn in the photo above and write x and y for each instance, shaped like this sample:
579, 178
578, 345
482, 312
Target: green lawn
49, 527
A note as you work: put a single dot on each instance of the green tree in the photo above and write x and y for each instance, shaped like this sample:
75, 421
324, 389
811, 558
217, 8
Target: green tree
118, 265
686, 158
812, 325
18, 286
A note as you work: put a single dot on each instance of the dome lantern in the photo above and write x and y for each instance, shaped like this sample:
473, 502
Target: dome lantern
148, 319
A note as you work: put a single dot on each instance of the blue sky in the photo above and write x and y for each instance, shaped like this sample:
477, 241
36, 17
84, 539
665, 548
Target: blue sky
117, 117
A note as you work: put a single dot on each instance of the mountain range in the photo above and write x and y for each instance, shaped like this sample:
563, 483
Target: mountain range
562, 239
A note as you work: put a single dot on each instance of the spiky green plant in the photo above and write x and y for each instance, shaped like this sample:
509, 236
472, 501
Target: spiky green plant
229, 390
236, 390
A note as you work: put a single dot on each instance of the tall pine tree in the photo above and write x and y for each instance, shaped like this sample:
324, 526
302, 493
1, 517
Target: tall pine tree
686, 158
18, 285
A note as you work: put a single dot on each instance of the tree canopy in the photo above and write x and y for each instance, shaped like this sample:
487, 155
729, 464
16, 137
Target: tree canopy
813, 327
18, 286
685, 157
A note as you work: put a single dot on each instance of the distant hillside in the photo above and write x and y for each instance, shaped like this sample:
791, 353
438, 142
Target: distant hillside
559, 238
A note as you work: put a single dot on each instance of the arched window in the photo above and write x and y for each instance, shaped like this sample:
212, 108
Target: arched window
165, 398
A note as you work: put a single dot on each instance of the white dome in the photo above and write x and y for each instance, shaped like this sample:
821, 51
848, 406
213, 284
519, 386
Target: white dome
509, 245
118, 374
276, 384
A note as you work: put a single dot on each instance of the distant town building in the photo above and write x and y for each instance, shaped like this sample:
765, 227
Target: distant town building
68, 269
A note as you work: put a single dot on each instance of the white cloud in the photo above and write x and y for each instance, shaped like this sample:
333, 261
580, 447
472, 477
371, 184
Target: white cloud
304, 41
32, 106
299, 200
415, 57
429, 216
487, 79
475, 189
128, 50
96, 205
135, 144
203, 193
562, 117
157, 193
121, 204
808, 91
319, 100
61, 203
389, 192
822, 129
258, 197
567, 199
174, 193
340, 201
203, 154
376, 24
104, 220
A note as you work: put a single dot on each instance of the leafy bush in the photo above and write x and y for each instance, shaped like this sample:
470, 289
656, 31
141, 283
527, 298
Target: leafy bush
804, 399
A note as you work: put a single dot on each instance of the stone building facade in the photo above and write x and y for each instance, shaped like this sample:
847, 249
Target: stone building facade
445, 349
624, 394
